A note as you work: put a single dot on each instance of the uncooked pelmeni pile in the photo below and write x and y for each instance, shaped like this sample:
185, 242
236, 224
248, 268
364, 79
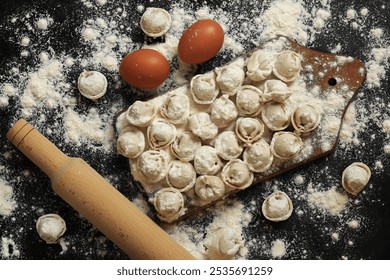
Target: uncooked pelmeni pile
226, 130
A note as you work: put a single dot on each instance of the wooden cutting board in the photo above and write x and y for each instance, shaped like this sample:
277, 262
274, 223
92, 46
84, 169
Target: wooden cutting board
331, 74
332, 79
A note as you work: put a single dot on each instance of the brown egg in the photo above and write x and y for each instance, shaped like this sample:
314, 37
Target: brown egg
144, 68
201, 41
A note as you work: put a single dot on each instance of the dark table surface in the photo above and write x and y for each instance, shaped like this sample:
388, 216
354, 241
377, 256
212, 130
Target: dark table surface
307, 236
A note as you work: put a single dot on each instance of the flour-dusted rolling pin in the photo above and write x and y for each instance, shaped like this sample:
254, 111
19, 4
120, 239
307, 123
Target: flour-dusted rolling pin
95, 199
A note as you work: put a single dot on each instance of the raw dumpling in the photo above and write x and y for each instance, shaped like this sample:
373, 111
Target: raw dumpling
223, 111
204, 88
236, 174
305, 118
209, 188
248, 100
287, 66
285, 145
259, 66
224, 245
176, 108
169, 204
201, 125
355, 177
50, 227
181, 175
276, 115
155, 22
277, 207
229, 78
207, 161
160, 134
131, 142
258, 156
249, 130
152, 166
141, 113
227, 145
185, 145
276, 90
92, 84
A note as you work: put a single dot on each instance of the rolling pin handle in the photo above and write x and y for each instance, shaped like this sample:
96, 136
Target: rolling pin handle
95, 199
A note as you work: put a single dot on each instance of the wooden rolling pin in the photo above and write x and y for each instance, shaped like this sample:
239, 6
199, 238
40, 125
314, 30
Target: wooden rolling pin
95, 199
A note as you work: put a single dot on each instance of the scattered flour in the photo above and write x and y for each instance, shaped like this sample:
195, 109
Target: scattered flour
44, 23
140, 8
351, 14
321, 17
278, 248
92, 128
378, 165
377, 33
299, 179
47, 90
285, 17
349, 127
142, 204
24, 53
101, 2
376, 67
353, 224
189, 238
25, 41
364, 12
7, 202
231, 217
9, 249
64, 245
386, 126
4, 101
330, 201
9, 89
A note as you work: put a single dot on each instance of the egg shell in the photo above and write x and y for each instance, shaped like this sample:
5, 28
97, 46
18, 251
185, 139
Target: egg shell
201, 41
145, 68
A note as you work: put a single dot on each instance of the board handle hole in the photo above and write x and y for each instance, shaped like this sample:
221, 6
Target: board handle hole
332, 82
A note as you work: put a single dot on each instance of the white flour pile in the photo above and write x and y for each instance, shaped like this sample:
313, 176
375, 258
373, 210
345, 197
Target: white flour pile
40, 85
330, 201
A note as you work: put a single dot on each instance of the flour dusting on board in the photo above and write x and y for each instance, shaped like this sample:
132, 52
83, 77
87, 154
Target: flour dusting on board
40, 84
